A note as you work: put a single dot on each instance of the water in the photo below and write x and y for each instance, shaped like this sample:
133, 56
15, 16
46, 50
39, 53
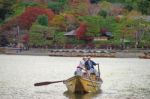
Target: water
123, 78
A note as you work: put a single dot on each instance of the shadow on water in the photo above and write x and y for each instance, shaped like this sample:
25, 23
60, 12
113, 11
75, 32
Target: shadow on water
70, 95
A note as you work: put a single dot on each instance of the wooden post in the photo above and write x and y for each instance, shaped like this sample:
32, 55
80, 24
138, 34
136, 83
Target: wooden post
98, 70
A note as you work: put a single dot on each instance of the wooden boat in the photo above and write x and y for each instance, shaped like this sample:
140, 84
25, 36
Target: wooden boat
79, 84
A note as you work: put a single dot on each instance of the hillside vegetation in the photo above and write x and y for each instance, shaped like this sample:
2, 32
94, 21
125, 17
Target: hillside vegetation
123, 23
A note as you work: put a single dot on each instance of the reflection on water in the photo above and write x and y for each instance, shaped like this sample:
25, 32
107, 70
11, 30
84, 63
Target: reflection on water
81, 96
123, 78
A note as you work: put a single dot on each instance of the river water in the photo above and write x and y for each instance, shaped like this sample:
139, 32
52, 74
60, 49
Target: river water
127, 78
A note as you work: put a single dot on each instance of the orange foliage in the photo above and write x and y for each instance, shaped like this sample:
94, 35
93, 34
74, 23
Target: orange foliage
77, 2
71, 18
118, 18
117, 11
79, 7
59, 21
133, 14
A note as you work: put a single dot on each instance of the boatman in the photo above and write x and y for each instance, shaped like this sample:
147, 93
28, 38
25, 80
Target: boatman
81, 66
89, 65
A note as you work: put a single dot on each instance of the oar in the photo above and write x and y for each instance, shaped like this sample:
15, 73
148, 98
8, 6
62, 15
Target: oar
47, 83
99, 74
98, 70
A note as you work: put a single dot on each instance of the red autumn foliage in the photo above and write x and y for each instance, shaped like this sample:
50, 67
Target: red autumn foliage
31, 14
87, 38
25, 38
9, 24
81, 31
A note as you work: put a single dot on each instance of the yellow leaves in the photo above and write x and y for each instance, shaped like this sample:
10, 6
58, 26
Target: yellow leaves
105, 5
128, 32
57, 20
133, 14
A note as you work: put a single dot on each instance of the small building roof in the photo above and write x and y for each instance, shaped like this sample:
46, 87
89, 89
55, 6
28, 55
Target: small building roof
71, 33
109, 34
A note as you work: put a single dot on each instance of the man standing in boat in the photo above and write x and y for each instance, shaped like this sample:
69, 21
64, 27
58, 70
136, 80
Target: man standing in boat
81, 66
89, 65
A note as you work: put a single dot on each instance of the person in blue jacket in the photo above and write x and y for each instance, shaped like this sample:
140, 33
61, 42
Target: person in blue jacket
89, 65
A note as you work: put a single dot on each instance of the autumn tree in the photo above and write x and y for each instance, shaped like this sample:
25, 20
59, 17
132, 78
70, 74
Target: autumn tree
30, 15
80, 32
59, 22
79, 7
71, 21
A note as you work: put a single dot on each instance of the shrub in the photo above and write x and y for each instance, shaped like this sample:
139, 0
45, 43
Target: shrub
43, 20
38, 35
59, 38
103, 13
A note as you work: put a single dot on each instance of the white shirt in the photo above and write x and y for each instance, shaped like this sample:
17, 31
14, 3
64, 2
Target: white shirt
82, 63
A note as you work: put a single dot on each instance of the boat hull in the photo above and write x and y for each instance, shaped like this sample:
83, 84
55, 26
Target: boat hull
78, 84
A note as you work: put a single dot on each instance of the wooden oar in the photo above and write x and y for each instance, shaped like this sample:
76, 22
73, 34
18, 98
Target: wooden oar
99, 74
47, 83
98, 70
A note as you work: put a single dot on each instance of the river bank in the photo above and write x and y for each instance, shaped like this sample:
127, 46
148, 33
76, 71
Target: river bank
132, 53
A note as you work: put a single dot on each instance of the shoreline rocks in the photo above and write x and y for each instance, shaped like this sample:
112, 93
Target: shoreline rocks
76, 52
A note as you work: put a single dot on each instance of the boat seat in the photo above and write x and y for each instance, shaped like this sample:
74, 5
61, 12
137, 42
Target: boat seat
92, 73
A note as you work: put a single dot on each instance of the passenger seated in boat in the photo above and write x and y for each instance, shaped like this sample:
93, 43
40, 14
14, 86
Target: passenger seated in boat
89, 65
80, 67
92, 76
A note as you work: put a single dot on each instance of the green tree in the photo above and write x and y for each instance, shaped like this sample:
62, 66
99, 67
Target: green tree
40, 35
144, 6
43, 20
28, 4
103, 13
3, 41
93, 24
59, 38
58, 5
105, 5
6, 8
94, 1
